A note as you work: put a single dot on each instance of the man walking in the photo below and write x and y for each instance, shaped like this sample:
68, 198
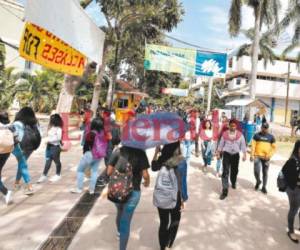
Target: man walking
263, 148
231, 144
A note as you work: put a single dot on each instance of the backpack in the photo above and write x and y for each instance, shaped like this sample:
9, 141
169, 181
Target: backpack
281, 182
120, 184
166, 189
7, 140
99, 146
31, 139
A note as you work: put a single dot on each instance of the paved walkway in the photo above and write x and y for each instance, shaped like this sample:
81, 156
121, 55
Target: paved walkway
247, 220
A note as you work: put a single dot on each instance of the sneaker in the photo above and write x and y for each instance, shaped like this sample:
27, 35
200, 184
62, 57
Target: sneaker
257, 185
264, 190
17, 186
43, 178
55, 178
76, 191
101, 183
224, 195
8, 197
91, 192
293, 237
28, 191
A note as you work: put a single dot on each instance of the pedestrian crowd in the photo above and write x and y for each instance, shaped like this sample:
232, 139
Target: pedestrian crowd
127, 168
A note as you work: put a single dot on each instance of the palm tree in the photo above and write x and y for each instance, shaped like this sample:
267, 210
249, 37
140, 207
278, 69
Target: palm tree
265, 12
266, 44
292, 17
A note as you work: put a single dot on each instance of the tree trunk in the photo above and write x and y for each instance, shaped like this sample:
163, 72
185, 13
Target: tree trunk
255, 52
97, 86
67, 94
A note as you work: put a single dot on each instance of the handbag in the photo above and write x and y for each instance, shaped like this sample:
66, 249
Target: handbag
281, 182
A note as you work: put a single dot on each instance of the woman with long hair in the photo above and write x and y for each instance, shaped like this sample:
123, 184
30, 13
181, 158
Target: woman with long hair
291, 172
29, 139
169, 215
53, 148
206, 135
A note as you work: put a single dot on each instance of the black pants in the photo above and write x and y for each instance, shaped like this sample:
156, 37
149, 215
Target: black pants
52, 154
197, 146
3, 159
169, 223
230, 165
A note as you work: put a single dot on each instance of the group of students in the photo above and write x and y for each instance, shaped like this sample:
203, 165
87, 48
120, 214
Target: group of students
126, 167
21, 138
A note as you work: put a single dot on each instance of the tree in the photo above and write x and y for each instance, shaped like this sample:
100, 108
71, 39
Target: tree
2, 57
265, 12
266, 44
292, 17
130, 23
7, 85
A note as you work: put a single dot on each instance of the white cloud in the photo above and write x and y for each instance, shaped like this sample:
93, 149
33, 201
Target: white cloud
218, 18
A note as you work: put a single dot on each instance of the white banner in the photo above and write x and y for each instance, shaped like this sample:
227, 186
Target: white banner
68, 21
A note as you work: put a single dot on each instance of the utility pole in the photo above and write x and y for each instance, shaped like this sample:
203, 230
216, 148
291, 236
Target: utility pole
210, 87
287, 93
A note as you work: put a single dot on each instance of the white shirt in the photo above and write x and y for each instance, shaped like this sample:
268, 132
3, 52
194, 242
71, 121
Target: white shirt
54, 135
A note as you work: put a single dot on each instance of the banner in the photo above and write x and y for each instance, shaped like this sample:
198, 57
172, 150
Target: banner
175, 60
176, 92
187, 62
42, 47
68, 21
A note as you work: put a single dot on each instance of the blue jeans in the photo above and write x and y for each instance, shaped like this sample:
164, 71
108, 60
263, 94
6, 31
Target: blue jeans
87, 161
22, 164
182, 169
124, 216
207, 152
187, 150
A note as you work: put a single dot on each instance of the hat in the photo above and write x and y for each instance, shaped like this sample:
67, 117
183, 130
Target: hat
265, 125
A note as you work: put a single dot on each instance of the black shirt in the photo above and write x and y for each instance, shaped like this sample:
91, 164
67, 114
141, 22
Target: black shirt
291, 172
138, 160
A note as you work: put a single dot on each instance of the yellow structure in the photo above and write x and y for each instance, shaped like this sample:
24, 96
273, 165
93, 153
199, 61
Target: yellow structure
125, 103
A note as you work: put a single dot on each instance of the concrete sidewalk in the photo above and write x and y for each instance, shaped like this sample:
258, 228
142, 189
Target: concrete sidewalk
29, 221
246, 220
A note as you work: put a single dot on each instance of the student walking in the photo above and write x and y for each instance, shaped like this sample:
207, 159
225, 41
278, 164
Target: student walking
94, 150
263, 148
206, 136
167, 196
291, 173
29, 139
224, 127
126, 168
231, 144
6, 147
53, 148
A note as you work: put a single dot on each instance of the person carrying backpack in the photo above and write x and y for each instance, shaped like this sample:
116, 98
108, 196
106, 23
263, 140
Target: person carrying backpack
53, 148
291, 173
6, 147
167, 196
127, 167
29, 140
94, 151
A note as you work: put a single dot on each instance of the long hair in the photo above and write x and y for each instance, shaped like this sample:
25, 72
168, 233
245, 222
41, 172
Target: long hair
97, 124
295, 153
4, 118
168, 152
55, 121
26, 116
204, 124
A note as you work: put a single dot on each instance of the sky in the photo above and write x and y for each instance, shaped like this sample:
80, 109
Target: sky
205, 24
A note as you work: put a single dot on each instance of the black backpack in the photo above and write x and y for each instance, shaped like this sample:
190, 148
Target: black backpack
116, 135
31, 139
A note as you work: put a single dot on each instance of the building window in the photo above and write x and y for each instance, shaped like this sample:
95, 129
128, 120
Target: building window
238, 81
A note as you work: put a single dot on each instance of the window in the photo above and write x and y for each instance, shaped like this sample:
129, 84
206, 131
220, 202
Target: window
238, 81
123, 103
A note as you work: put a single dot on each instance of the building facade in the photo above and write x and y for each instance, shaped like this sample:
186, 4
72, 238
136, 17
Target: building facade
11, 29
271, 85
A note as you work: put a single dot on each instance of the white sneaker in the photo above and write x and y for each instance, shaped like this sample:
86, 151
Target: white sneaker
91, 192
8, 197
43, 178
55, 178
76, 191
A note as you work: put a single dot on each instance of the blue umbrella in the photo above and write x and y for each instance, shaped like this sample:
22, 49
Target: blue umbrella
149, 131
